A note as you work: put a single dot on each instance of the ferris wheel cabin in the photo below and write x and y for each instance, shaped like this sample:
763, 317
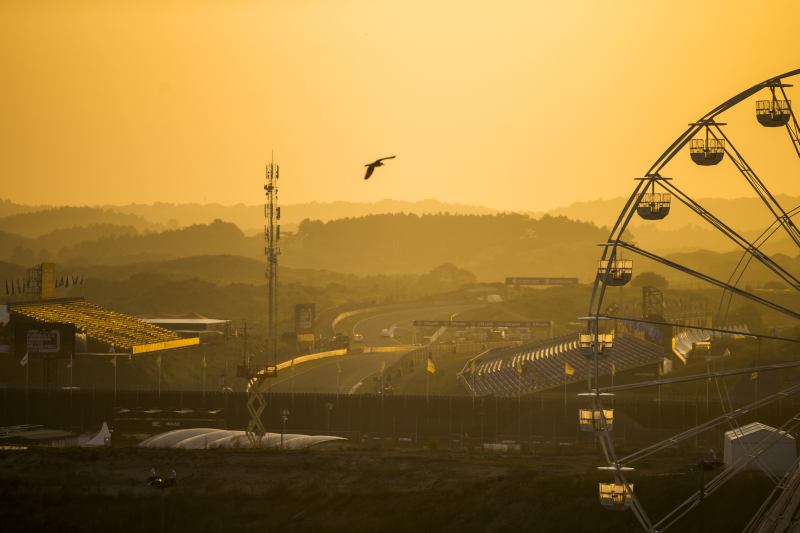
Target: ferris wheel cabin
587, 342
654, 205
614, 497
707, 152
773, 113
615, 272
592, 420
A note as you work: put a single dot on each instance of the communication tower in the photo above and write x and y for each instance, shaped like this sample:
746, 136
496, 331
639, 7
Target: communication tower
256, 402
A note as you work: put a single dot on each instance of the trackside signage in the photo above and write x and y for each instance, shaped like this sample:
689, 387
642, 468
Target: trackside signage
482, 324
541, 281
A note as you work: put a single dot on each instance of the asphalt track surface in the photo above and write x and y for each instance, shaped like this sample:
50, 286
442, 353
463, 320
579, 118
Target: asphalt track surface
346, 374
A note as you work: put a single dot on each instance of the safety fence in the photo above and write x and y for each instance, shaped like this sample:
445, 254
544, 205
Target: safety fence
543, 416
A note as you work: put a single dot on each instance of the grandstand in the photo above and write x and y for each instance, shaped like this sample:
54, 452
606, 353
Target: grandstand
687, 339
542, 364
110, 329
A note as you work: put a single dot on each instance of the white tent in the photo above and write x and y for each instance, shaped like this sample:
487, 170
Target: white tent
780, 447
101, 438
200, 438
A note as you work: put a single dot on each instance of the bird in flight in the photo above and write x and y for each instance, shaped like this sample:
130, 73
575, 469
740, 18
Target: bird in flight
375, 164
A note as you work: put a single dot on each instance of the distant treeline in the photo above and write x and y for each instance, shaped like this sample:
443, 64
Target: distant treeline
490, 246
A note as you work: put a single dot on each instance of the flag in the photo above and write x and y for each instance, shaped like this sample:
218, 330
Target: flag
383, 366
203, 363
518, 367
114, 361
754, 376
726, 353
69, 365
158, 360
431, 366
568, 370
338, 368
24, 360
613, 369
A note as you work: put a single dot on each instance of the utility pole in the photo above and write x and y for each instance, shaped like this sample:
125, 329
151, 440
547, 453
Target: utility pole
256, 402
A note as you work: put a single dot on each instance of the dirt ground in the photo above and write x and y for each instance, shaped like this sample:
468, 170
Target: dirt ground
350, 489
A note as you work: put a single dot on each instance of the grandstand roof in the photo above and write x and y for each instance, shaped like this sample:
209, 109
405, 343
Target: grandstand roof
110, 327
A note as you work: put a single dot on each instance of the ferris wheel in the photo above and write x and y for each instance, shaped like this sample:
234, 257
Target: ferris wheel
705, 144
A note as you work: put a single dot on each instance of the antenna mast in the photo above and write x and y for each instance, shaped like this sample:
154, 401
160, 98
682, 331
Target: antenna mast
272, 236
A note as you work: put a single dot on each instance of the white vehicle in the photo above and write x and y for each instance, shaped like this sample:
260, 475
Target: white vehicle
386, 333
358, 337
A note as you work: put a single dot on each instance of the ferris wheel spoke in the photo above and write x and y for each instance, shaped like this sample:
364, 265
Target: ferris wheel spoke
707, 425
750, 248
744, 262
708, 279
758, 186
698, 377
776, 503
701, 328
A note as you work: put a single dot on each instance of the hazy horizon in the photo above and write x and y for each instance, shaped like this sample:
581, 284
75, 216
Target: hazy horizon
518, 108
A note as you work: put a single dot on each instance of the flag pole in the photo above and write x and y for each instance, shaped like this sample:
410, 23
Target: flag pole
27, 387
338, 379
158, 364
115, 378
519, 408
473, 387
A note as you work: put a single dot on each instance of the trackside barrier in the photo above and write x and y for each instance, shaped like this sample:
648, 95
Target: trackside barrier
391, 349
343, 351
348, 314
311, 357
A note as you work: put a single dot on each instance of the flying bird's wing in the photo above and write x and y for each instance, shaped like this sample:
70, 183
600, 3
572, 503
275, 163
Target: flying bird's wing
370, 170
385, 158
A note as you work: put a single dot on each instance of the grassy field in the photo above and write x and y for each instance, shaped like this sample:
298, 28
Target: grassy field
356, 489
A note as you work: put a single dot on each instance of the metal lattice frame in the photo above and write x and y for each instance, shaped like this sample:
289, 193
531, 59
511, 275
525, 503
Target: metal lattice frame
257, 384
751, 251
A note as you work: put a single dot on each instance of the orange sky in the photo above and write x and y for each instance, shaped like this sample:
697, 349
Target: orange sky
515, 105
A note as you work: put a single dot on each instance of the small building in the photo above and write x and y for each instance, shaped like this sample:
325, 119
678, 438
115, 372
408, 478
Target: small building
777, 458
195, 326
